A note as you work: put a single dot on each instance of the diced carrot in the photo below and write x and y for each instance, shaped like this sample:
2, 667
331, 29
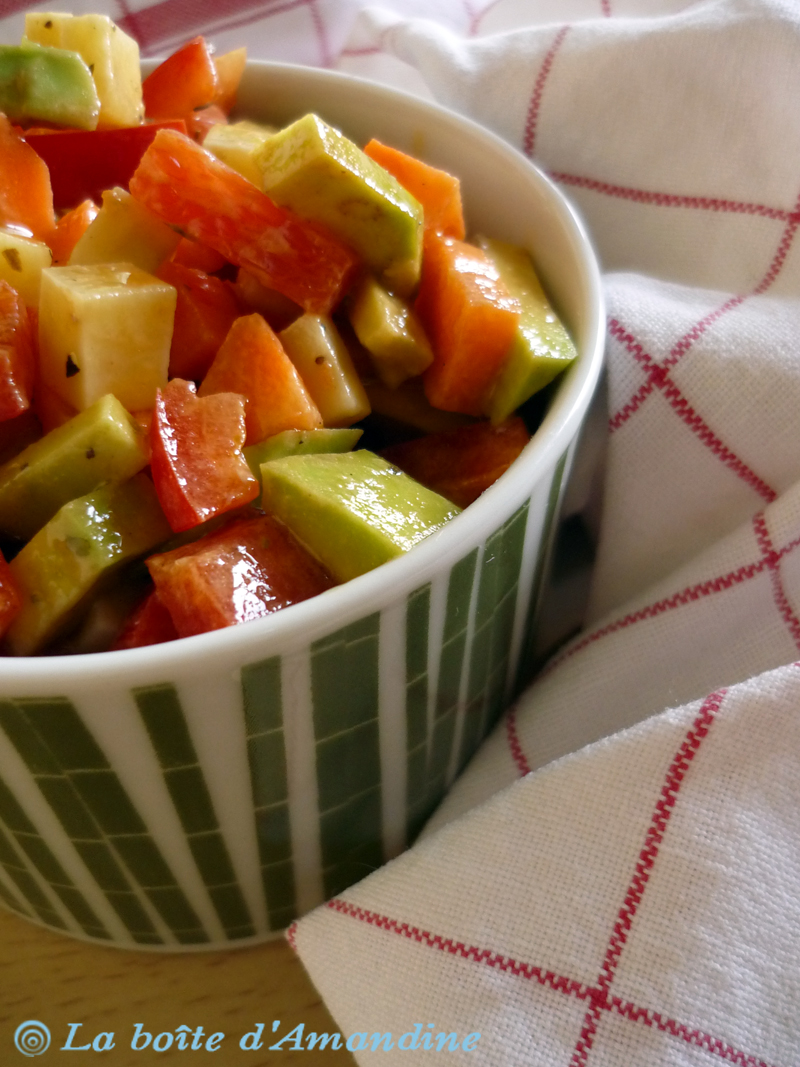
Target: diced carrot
17, 354
470, 319
437, 191
246, 570
69, 229
150, 624
191, 189
194, 254
197, 463
10, 599
205, 309
252, 362
26, 196
230, 68
460, 464
184, 81
200, 121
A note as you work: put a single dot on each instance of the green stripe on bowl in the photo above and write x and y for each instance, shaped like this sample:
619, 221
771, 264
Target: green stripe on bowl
77, 757
164, 719
417, 630
527, 664
345, 696
266, 751
78, 823
16, 869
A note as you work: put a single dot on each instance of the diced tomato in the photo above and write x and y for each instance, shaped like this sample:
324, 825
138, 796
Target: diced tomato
26, 195
197, 255
205, 309
82, 163
248, 569
150, 624
230, 68
200, 121
460, 464
17, 354
437, 191
10, 599
470, 319
252, 362
194, 191
69, 230
184, 81
197, 463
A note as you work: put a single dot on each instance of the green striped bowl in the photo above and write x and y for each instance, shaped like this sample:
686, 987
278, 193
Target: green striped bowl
205, 793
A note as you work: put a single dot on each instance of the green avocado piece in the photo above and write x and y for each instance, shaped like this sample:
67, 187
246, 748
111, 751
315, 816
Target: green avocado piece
299, 443
352, 510
66, 559
542, 347
320, 174
100, 444
391, 332
46, 84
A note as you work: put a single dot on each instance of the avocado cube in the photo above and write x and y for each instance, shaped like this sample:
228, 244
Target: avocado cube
22, 261
542, 347
101, 444
59, 567
47, 85
320, 174
110, 54
391, 332
105, 328
352, 510
125, 231
298, 443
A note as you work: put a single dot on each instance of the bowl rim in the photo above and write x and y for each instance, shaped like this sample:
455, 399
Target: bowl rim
362, 596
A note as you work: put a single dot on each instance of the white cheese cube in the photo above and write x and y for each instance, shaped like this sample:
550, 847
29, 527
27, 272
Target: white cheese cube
22, 261
105, 329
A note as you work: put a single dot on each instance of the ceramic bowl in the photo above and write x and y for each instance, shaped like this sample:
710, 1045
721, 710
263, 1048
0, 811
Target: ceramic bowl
206, 792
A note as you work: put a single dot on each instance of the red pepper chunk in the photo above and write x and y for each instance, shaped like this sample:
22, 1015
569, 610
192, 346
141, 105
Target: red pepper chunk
17, 354
82, 163
192, 190
248, 569
197, 463
205, 310
471, 320
150, 624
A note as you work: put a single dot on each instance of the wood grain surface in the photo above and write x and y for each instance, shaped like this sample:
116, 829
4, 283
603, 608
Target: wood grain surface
57, 980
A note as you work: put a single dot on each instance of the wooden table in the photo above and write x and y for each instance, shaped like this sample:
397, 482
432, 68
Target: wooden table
57, 981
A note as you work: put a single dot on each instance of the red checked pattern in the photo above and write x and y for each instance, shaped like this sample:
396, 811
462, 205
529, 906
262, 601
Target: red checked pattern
598, 997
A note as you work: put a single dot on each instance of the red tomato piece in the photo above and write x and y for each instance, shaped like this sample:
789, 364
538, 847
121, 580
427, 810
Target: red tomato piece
204, 312
17, 354
252, 362
150, 624
460, 464
69, 230
249, 568
184, 81
197, 463
82, 163
437, 191
26, 195
191, 189
10, 599
471, 320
